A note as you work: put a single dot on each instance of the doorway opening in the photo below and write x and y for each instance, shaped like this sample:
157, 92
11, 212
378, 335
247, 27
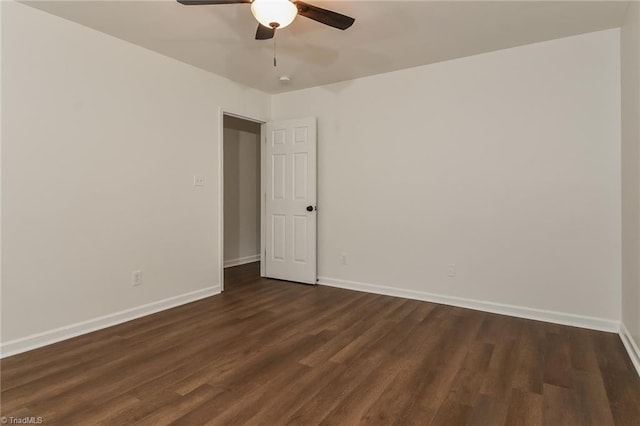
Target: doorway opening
241, 189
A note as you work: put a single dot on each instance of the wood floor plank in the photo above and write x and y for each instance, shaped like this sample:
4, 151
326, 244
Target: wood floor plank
147, 405
178, 407
591, 395
525, 408
557, 361
560, 407
291, 398
472, 374
490, 410
353, 406
450, 413
583, 357
98, 411
529, 377
441, 357
250, 399
326, 400
503, 368
269, 352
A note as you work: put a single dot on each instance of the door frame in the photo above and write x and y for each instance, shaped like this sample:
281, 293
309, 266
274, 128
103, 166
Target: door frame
221, 113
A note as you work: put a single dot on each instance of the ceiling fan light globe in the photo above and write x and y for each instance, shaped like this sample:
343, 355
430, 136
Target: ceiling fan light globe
268, 12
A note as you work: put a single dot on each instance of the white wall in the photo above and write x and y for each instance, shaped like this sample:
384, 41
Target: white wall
506, 164
241, 191
101, 139
630, 59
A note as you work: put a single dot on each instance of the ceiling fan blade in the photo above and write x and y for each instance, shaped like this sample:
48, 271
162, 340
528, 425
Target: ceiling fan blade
327, 17
264, 33
203, 2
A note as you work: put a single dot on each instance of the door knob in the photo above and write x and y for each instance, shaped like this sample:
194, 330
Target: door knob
309, 208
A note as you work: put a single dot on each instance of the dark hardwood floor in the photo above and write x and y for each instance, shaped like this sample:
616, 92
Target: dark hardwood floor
275, 353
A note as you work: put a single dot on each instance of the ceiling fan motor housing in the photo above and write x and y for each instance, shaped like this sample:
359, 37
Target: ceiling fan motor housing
274, 13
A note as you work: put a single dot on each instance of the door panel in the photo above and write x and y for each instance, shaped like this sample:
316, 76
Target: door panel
300, 224
279, 176
300, 172
290, 162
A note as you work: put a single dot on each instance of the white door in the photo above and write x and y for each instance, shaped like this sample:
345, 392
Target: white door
290, 200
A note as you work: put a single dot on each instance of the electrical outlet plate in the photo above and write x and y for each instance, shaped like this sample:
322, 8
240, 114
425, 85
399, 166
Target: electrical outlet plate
136, 278
451, 270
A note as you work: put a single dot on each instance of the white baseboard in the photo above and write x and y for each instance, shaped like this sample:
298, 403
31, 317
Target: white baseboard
38, 340
241, 260
563, 318
630, 345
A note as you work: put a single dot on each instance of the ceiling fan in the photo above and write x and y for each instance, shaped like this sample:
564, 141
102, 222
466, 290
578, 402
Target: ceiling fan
273, 14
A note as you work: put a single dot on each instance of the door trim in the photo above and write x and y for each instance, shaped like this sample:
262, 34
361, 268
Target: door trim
221, 113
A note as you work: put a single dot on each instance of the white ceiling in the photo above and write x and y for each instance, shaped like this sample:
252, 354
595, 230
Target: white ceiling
387, 35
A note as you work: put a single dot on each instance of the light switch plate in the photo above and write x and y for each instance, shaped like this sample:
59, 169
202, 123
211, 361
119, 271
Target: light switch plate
198, 181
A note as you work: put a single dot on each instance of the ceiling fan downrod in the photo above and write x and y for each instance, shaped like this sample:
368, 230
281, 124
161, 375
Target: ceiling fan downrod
274, 25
